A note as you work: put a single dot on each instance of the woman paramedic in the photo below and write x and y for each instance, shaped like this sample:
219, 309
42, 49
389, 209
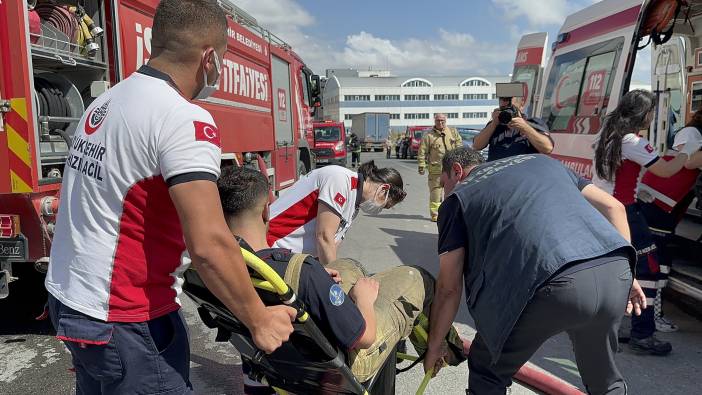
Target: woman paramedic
620, 156
314, 214
664, 201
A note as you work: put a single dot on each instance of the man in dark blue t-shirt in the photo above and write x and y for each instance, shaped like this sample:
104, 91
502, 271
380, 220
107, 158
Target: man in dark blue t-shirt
541, 251
522, 135
363, 315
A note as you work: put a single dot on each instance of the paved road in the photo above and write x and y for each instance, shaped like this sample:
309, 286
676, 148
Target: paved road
33, 362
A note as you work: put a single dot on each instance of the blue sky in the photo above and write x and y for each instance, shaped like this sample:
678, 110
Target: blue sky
438, 37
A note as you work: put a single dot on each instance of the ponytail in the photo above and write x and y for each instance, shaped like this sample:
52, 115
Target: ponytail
630, 116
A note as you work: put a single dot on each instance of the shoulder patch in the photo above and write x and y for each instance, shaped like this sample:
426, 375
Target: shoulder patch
206, 132
336, 295
339, 198
649, 149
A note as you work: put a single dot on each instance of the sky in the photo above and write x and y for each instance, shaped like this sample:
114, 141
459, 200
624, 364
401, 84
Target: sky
413, 37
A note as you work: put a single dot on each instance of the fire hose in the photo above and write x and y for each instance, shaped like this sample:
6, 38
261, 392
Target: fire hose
53, 103
74, 23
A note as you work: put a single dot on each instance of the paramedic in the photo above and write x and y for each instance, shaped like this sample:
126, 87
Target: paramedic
140, 188
315, 213
620, 156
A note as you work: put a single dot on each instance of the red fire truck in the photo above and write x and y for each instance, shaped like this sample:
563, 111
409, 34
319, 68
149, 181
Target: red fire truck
56, 56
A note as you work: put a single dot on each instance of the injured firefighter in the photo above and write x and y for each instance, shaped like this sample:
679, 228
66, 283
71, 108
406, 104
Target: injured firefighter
364, 315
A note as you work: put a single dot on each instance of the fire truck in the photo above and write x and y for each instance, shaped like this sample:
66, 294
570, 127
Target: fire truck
590, 68
56, 56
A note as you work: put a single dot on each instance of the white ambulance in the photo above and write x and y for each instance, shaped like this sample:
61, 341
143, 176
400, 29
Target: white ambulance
590, 66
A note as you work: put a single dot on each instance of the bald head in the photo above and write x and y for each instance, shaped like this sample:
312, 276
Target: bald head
183, 28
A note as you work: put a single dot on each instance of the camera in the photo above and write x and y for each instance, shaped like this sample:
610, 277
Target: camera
508, 91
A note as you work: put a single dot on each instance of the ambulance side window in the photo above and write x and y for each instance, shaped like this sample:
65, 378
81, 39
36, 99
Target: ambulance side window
578, 88
596, 87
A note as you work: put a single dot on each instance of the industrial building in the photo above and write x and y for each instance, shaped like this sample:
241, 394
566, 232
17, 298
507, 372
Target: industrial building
467, 101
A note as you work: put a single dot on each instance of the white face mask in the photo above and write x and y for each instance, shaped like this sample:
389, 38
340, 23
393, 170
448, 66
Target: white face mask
371, 206
208, 89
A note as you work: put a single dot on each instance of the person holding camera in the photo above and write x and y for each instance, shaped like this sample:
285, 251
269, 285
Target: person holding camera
511, 132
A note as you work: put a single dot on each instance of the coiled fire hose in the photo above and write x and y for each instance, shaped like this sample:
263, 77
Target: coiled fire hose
74, 23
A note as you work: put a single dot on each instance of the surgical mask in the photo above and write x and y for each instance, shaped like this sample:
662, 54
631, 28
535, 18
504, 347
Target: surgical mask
208, 89
371, 206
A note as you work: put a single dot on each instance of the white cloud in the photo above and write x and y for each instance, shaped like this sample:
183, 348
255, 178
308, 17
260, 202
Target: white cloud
446, 52
450, 53
542, 12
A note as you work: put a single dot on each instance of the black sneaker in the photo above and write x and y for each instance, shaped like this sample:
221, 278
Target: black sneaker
650, 345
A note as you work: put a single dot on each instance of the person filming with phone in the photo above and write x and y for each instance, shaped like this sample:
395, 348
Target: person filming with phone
511, 132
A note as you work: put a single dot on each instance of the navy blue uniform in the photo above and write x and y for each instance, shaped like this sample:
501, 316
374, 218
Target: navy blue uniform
506, 142
539, 260
332, 310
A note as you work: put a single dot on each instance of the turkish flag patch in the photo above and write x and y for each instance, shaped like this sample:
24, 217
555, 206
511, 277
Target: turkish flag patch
339, 198
206, 132
649, 148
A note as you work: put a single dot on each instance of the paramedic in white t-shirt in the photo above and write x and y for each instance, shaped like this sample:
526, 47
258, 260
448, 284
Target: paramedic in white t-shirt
314, 215
621, 155
139, 188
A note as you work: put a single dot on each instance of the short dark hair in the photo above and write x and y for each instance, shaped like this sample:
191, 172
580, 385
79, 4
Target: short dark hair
241, 189
463, 156
183, 26
385, 175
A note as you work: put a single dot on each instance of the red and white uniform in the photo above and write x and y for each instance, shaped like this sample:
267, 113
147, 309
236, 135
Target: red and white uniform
118, 251
668, 192
294, 215
637, 153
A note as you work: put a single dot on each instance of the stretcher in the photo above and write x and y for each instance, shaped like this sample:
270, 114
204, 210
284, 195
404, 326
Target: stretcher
308, 363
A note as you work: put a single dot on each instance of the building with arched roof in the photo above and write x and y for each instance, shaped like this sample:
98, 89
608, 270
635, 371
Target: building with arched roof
467, 100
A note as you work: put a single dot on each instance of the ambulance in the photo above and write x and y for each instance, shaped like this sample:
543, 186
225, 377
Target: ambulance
590, 67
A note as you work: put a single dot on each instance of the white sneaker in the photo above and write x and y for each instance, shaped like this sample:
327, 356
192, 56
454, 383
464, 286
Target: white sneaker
665, 325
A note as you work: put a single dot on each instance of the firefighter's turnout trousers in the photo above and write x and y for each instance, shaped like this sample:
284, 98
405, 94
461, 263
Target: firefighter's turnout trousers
432, 149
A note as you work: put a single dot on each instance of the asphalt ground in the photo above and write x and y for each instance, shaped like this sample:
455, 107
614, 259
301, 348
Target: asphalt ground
32, 361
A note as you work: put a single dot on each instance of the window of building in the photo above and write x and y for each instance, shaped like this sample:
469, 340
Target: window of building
417, 115
386, 97
475, 96
475, 83
416, 83
449, 115
474, 115
356, 97
494, 96
416, 97
394, 116
446, 96
348, 116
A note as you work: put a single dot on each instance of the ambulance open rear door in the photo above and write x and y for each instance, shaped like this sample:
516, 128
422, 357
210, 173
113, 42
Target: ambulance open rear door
529, 65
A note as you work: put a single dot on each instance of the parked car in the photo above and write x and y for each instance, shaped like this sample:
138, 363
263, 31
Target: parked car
467, 135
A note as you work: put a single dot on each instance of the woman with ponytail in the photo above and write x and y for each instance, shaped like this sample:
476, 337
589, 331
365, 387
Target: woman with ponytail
315, 213
621, 155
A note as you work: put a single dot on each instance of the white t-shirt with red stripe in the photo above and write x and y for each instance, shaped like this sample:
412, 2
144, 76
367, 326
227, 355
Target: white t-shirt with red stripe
637, 154
293, 219
118, 251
